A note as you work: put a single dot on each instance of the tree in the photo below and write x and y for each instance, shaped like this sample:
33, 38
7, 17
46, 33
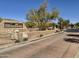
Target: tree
72, 25
60, 22
54, 14
50, 24
30, 24
77, 25
32, 15
63, 23
41, 16
1, 19
66, 23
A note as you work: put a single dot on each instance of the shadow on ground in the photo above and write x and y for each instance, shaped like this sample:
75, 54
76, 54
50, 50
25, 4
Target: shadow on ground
72, 40
74, 35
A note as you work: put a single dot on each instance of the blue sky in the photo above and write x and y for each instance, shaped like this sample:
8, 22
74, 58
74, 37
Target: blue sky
17, 9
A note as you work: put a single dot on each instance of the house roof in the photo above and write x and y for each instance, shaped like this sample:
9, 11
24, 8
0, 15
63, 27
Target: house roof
10, 20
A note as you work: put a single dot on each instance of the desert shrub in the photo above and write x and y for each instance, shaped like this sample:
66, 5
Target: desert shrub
41, 35
25, 39
17, 41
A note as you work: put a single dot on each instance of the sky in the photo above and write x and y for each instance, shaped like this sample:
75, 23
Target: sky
17, 9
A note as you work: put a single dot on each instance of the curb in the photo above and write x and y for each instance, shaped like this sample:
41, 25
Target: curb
18, 45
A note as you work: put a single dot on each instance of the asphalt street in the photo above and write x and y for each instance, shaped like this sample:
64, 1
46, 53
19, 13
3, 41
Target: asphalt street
54, 46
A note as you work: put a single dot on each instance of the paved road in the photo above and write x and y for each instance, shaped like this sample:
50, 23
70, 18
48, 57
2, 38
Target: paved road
53, 46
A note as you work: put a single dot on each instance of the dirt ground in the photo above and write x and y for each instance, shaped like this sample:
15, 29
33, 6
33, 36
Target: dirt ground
35, 34
32, 34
